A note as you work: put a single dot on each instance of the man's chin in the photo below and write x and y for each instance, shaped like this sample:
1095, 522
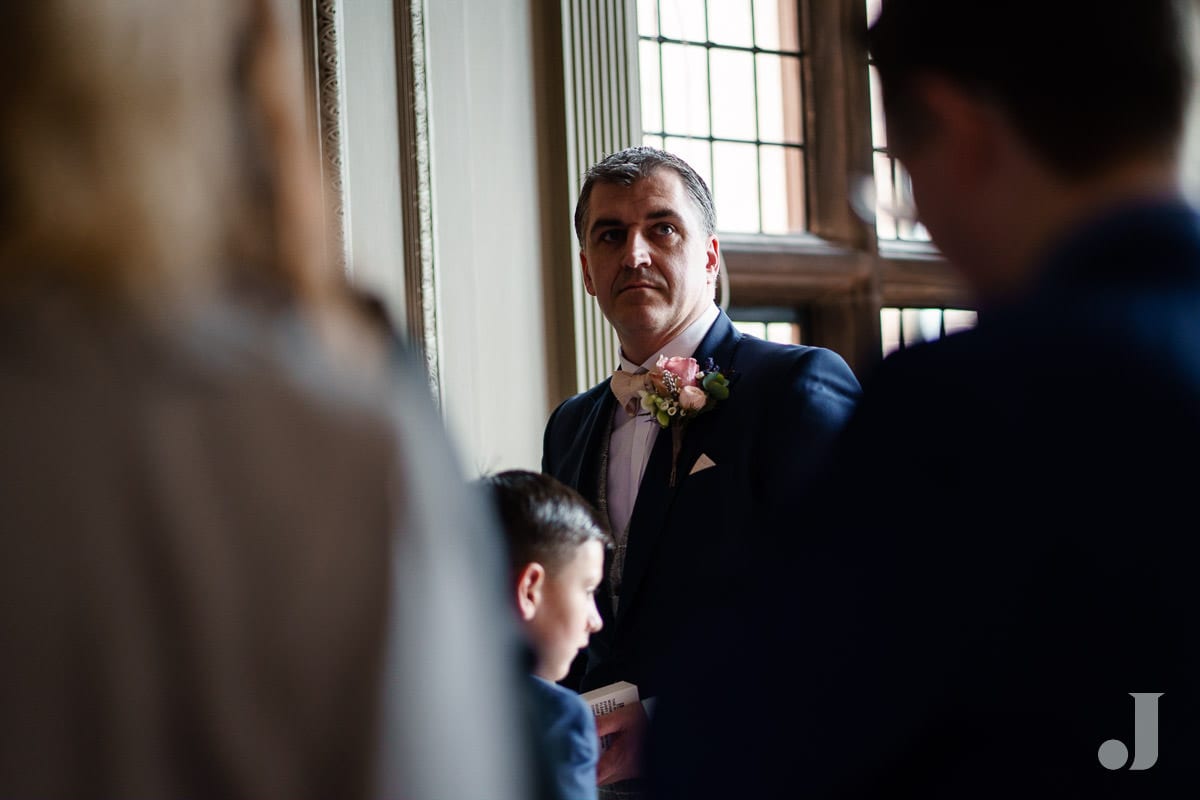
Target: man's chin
631, 315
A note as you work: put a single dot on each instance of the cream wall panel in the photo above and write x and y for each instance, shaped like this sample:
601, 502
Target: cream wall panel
487, 230
371, 149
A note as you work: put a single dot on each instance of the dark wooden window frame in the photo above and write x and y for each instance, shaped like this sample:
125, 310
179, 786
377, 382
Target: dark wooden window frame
838, 275
840, 272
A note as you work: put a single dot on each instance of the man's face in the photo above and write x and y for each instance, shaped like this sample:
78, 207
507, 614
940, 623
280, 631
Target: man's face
952, 166
647, 260
566, 616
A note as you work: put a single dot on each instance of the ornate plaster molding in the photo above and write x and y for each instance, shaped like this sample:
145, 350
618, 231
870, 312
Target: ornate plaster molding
416, 184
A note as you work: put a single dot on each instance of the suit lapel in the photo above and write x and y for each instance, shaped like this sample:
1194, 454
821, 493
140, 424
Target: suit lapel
590, 473
581, 468
651, 511
721, 346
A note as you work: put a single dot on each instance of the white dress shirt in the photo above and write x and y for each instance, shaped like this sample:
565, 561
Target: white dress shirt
633, 437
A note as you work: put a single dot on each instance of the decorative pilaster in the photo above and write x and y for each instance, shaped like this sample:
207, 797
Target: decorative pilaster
416, 186
603, 115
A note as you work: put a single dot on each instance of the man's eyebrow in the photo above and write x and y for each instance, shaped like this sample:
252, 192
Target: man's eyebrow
612, 222
605, 222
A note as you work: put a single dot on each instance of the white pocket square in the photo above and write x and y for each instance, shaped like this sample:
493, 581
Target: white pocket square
702, 463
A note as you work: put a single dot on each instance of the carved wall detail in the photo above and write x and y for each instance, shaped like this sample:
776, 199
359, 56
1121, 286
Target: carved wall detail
329, 110
325, 41
603, 115
416, 186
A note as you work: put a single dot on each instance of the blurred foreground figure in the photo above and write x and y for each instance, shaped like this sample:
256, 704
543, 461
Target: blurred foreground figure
238, 559
993, 591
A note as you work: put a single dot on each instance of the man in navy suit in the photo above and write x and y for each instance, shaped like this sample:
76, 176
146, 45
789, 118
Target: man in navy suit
686, 499
994, 593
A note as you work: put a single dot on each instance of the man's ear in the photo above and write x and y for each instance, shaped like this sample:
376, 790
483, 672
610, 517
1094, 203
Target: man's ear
531, 582
713, 265
965, 128
587, 276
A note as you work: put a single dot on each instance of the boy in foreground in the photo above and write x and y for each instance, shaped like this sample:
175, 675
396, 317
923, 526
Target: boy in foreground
556, 544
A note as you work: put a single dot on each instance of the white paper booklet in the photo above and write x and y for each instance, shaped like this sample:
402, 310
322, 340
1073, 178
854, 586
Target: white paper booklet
609, 698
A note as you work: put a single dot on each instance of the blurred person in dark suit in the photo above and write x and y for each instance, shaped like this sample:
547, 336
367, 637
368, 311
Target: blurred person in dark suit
992, 588
239, 559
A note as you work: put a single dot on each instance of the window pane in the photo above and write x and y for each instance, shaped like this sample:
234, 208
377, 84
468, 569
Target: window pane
889, 328
727, 109
902, 327
1190, 160
885, 222
648, 17
733, 105
729, 22
653, 141
783, 332
783, 202
756, 329
895, 213
779, 101
957, 319
697, 153
685, 89
878, 131
776, 25
651, 99
683, 20
735, 186
873, 9
775, 324
925, 323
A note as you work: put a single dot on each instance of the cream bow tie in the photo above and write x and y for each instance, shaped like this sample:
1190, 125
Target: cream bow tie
626, 385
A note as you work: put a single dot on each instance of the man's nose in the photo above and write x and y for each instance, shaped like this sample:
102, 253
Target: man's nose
637, 251
595, 623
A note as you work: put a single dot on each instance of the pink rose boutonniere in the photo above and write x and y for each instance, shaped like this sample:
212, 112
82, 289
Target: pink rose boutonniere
682, 390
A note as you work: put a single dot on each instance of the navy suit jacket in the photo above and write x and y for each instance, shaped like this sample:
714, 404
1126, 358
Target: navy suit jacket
1003, 550
785, 406
567, 739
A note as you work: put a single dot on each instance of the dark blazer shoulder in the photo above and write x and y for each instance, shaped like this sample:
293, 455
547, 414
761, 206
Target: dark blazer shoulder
813, 382
740, 354
792, 357
569, 739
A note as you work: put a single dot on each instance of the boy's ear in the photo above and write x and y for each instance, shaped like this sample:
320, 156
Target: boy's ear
530, 583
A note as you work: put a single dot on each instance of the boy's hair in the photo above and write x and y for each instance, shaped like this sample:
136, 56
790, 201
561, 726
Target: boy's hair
1087, 86
544, 520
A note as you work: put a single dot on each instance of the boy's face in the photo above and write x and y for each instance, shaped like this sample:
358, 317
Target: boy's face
566, 616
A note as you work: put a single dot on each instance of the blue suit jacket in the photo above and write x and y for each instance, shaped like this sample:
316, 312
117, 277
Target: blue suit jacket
568, 742
1004, 548
785, 406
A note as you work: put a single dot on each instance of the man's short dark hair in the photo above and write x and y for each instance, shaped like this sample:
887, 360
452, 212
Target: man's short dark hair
635, 163
1087, 85
544, 520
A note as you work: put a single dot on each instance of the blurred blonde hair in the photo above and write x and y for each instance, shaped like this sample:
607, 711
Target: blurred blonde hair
152, 150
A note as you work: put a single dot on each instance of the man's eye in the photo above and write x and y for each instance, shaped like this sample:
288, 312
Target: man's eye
666, 228
611, 235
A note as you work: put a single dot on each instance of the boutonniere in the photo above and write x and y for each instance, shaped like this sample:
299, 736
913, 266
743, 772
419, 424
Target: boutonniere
682, 390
